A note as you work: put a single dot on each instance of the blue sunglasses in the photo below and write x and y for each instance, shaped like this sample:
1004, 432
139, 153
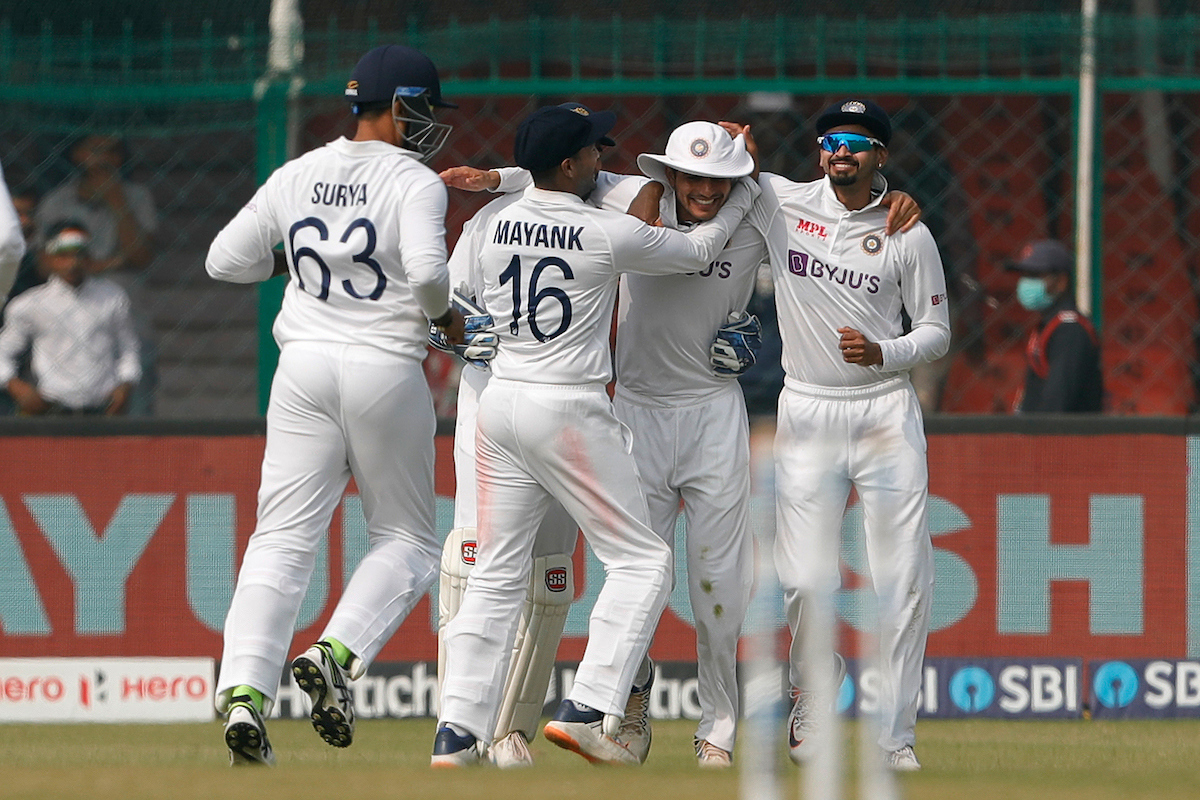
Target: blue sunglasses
854, 142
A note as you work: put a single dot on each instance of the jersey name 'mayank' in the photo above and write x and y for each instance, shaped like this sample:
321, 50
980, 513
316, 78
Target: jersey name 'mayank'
537, 234
339, 194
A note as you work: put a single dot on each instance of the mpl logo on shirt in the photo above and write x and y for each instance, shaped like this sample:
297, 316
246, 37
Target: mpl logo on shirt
814, 229
1149, 688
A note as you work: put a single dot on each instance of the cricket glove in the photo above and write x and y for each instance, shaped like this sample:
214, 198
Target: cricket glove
480, 345
738, 340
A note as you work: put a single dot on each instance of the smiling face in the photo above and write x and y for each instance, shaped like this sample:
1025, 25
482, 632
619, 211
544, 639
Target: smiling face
847, 169
698, 198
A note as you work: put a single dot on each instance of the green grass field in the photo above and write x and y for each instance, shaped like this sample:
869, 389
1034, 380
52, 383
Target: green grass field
975, 760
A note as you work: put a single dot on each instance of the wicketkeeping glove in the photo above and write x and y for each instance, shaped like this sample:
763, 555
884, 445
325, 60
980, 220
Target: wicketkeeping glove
480, 345
733, 351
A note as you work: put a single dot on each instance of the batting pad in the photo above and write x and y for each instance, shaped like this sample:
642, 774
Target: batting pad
458, 559
551, 590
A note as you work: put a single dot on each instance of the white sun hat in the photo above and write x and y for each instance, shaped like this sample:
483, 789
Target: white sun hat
700, 148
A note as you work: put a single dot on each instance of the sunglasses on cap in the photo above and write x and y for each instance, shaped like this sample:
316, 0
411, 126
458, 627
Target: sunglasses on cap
854, 142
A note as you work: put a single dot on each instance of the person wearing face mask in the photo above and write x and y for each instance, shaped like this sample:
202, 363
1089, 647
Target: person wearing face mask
1063, 354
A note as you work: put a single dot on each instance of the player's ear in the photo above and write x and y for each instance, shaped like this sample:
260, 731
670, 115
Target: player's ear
881, 153
671, 175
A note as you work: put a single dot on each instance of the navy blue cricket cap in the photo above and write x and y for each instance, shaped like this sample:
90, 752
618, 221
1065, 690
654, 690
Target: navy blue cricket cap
1043, 257
554, 133
857, 112
382, 70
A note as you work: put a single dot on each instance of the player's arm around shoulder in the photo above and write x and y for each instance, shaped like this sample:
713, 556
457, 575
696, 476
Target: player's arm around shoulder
665, 251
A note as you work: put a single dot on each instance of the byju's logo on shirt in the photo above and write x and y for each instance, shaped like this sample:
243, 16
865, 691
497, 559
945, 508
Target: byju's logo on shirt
805, 266
812, 228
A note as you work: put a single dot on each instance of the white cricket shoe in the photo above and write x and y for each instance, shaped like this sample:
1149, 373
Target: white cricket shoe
902, 760
451, 750
635, 729
318, 674
709, 756
246, 735
802, 726
580, 729
809, 718
512, 751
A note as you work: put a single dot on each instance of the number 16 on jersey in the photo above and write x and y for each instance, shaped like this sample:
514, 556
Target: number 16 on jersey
526, 282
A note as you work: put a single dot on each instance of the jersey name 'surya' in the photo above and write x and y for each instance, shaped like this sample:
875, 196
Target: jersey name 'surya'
339, 194
537, 234
800, 263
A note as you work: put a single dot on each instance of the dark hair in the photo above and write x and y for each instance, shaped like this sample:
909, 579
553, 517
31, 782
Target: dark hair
545, 176
372, 109
122, 147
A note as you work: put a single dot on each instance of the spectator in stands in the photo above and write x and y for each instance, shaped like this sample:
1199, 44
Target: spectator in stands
85, 352
121, 217
1063, 354
119, 214
29, 274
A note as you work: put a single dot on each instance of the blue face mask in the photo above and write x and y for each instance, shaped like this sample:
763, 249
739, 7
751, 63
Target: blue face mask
1032, 294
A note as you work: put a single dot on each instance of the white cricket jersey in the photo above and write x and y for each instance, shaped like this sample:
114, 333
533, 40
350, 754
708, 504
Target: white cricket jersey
835, 268
363, 227
666, 323
549, 267
613, 191
12, 241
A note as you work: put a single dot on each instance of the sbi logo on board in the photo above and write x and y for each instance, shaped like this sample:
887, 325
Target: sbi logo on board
972, 689
997, 687
1012, 688
1145, 688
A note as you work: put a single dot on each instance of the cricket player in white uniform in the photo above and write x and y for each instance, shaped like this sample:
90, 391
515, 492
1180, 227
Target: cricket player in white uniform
848, 415
362, 224
549, 271
675, 390
552, 581
670, 334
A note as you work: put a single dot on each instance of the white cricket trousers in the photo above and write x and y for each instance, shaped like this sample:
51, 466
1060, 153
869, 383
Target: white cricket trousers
700, 454
871, 438
558, 532
335, 411
534, 444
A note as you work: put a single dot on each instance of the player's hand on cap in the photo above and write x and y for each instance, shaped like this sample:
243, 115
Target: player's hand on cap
903, 212
470, 178
737, 343
858, 349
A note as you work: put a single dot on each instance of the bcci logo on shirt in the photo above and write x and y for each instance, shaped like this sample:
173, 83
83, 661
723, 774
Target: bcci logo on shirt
468, 552
556, 579
872, 244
